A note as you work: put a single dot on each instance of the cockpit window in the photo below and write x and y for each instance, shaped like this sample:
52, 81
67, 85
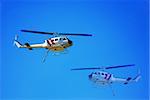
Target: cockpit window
64, 39
56, 39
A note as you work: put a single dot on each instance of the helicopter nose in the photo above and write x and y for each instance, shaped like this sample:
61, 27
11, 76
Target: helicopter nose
90, 76
69, 41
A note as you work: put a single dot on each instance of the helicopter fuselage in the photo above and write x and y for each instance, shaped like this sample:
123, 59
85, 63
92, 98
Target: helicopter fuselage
54, 44
106, 78
101, 77
57, 43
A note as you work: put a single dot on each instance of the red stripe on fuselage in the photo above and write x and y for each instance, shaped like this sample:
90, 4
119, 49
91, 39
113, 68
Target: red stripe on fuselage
48, 42
52, 41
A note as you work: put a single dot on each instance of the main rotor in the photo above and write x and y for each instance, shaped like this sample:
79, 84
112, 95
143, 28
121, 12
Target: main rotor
103, 68
56, 33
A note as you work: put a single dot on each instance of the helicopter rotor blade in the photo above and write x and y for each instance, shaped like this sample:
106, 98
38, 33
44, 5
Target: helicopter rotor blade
119, 66
52, 33
75, 34
86, 68
110, 67
39, 32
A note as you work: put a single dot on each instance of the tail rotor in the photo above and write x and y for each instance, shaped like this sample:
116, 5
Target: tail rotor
15, 39
16, 42
138, 76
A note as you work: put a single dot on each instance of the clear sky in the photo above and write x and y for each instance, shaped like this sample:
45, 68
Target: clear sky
120, 36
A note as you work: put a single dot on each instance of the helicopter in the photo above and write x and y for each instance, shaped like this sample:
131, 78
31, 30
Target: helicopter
58, 43
105, 78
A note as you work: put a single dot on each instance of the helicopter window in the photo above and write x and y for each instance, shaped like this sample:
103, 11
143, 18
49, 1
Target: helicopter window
64, 39
56, 39
102, 73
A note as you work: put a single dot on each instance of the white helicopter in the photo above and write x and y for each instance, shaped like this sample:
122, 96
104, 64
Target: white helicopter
58, 43
106, 78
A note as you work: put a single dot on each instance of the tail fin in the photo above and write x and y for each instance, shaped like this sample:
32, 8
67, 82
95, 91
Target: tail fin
19, 45
136, 79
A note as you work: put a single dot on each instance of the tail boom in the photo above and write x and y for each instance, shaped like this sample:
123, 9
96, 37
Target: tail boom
27, 45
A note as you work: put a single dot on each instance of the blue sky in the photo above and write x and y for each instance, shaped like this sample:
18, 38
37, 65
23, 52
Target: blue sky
120, 36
